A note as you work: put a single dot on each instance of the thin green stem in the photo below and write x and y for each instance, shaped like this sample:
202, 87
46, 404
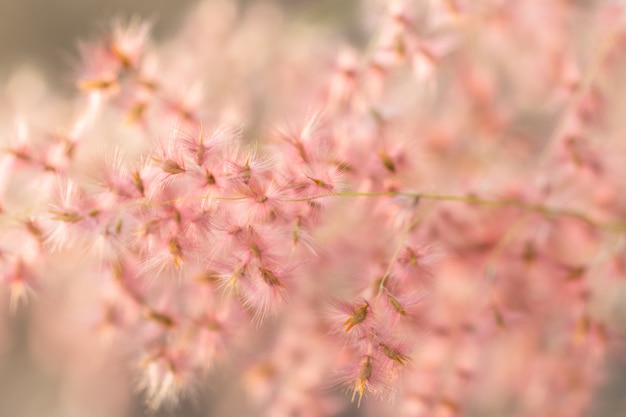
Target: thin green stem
405, 233
470, 199
179, 200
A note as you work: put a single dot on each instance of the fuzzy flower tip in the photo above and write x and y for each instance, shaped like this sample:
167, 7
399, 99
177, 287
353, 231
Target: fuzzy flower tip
362, 380
357, 316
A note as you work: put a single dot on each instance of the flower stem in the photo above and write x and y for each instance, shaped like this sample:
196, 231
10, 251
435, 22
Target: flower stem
534, 207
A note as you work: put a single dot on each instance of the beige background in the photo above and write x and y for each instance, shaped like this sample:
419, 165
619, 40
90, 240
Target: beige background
43, 34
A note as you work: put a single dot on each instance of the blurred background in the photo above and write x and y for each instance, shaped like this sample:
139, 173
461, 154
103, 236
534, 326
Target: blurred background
43, 34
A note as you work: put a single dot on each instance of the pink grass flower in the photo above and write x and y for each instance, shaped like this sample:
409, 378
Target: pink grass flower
20, 280
128, 42
262, 201
264, 290
211, 235
165, 378
75, 219
355, 320
364, 377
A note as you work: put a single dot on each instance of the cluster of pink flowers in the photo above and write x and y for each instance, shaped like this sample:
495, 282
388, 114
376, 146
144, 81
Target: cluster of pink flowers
432, 222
